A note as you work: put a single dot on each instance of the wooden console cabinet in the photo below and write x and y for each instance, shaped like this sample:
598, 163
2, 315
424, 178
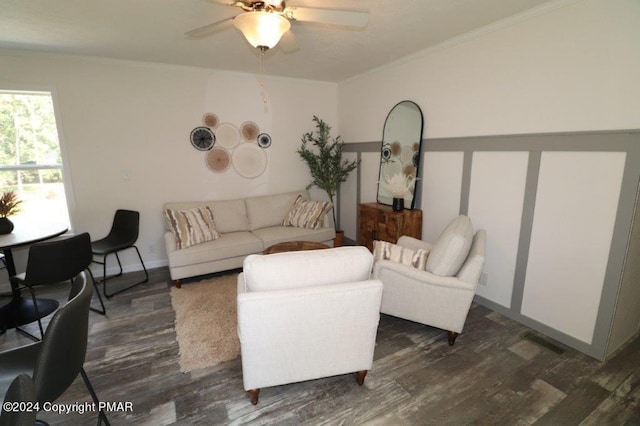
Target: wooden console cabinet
380, 222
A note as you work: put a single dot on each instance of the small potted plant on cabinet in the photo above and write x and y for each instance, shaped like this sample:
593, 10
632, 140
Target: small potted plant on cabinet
328, 170
9, 205
399, 185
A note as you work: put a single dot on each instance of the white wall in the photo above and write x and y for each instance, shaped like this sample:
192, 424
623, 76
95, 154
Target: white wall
573, 68
136, 118
496, 198
441, 191
575, 212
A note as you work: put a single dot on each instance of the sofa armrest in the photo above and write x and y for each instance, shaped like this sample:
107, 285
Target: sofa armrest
420, 296
242, 286
414, 243
419, 275
169, 241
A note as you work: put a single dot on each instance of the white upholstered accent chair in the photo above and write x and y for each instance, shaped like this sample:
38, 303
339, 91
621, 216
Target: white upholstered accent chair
441, 295
306, 315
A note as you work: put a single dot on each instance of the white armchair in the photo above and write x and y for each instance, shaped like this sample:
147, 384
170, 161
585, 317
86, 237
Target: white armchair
306, 315
441, 295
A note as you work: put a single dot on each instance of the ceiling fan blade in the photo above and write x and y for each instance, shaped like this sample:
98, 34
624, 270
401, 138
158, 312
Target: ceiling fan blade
341, 17
289, 42
209, 29
228, 2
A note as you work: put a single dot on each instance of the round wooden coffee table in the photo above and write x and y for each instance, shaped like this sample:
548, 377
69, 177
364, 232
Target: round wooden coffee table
294, 246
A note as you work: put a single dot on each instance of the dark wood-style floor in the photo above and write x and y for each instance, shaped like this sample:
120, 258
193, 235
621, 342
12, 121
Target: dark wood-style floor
493, 375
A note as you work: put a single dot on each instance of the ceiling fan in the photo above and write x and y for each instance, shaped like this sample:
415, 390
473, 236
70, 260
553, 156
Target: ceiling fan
264, 22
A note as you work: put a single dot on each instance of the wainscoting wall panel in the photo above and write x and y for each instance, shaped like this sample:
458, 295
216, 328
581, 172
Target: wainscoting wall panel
348, 203
558, 210
496, 198
573, 225
441, 191
369, 177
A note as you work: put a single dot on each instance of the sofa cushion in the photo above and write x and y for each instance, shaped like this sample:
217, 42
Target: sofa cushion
191, 226
230, 215
306, 214
279, 234
229, 245
452, 247
307, 268
383, 250
270, 210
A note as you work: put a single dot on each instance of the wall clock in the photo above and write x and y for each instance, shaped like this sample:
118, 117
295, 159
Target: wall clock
202, 138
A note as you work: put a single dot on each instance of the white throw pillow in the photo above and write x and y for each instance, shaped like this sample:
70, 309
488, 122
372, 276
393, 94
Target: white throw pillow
306, 214
452, 248
383, 250
192, 226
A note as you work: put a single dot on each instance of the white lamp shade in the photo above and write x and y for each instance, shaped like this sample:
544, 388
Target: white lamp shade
262, 29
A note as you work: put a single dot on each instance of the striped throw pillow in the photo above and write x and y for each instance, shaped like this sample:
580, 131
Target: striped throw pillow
383, 250
191, 227
306, 214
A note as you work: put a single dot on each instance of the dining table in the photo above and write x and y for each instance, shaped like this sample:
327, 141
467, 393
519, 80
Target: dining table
20, 310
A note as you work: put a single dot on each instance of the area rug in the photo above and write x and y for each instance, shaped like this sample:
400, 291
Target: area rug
206, 322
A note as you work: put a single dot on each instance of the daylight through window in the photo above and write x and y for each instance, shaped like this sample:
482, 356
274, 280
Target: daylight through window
30, 158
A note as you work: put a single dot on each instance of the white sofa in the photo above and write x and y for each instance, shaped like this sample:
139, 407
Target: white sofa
306, 315
246, 226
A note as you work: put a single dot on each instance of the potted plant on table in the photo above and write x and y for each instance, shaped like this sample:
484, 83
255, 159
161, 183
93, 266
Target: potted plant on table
9, 205
399, 185
328, 170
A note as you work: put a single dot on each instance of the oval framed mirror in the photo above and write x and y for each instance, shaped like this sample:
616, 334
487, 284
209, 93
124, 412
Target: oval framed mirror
400, 154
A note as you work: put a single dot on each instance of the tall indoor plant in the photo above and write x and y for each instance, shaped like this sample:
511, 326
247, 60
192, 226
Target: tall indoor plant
323, 155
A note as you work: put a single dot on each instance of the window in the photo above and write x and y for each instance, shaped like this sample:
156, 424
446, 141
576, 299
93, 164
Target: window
30, 158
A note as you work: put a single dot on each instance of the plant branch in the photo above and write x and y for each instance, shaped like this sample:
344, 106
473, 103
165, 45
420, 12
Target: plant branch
323, 156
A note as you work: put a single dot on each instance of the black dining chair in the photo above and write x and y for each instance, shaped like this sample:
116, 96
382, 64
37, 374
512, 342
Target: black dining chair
3, 265
57, 360
123, 235
52, 262
20, 393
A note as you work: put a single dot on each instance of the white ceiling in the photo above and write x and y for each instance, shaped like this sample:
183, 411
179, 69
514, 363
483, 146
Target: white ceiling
153, 31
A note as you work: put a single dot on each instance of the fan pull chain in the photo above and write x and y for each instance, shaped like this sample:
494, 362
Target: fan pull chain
263, 93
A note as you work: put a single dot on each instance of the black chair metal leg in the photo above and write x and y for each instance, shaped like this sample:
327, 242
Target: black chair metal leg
102, 311
102, 415
35, 306
104, 280
26, 333
119, 265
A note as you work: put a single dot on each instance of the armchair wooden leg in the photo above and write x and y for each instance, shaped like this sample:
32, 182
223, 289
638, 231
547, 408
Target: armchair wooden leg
360, 375
253, 394
177, 283
452, 337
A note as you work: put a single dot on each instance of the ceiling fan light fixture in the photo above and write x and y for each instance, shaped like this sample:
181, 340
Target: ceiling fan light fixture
262, 30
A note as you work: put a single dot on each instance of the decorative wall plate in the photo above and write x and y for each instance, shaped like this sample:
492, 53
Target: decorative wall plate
218, 159
249, 131
202, 138
249, 160
406, 155
210, 120
227, 135
264, 140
